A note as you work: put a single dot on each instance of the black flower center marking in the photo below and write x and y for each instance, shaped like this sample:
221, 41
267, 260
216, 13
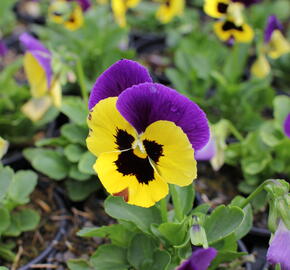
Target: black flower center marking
222, 7
130, 164
230, 26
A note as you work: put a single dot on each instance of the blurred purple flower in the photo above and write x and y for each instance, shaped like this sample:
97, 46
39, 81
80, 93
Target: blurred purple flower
3, 48
199, 260
207, 152
272, 24
85, 4
287, 125
279, 250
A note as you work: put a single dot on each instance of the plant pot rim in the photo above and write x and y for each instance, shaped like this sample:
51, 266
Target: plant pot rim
59, 235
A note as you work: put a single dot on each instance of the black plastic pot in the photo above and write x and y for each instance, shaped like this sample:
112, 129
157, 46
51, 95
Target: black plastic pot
41, 258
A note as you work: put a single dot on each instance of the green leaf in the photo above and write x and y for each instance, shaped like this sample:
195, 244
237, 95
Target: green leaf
140, 252
281, 109
187, 195
27, 219
78, 191
225, 256
75, 109
110, 257
86, 163
75, 174
6, 176
223, 221
254, 165
175, 233
73, 152
117, 233
51, 163
247, 223
7, 255
4, 219
161, 260
22, 185
78, 264
74, 133
141, 217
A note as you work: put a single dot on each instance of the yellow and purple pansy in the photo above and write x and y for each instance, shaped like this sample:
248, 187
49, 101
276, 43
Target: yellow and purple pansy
199, 260
170, 9
69, 12
143, 133
275, 45
44, 86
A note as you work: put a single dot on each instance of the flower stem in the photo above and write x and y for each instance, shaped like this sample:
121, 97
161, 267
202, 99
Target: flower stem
81, 79
256, 192
163, 209
176, 203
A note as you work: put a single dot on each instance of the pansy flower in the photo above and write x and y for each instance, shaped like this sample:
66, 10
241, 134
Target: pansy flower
44, 87
227, 9
143, 133
228, 31
3, 48
275, 45
120, 8
208, 151
3, 147
199, 260
279, 250
169, 9
69, 12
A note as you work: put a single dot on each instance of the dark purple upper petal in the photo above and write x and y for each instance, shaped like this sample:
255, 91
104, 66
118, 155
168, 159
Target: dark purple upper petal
118, 77
207, 152
247, 2
287, 126
279, 250
42, 55
199, 260
272, 24
3, 48
146, 103
85, 4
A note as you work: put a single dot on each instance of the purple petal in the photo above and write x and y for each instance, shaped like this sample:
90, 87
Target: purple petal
42, 55
85, 4
287, 126
146, 103
247, 3
207, 152
118, 77
3, 48
199, 260
279, 250
272, 24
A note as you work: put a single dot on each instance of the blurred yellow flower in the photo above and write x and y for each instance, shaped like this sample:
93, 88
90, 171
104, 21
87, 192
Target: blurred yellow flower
3, 147
261, 67
120, 8
169, 9
278, 45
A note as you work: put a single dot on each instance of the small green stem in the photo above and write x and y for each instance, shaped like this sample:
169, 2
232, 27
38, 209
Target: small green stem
176, 203
81, 79
163, 209
256, 192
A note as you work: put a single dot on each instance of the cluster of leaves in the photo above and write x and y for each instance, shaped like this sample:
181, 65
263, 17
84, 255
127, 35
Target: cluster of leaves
15, 189
66, 156
154, 238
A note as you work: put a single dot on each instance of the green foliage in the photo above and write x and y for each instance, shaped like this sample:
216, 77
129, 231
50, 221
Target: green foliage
15, 191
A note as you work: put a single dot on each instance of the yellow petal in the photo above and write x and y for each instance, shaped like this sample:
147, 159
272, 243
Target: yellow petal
176, 165
115, 182
3, 147
119, 9
261, 67
278, 45
105, 122
55, 93
216, 8
35, 108
36, 76
169, 10
76, 19
235, 12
